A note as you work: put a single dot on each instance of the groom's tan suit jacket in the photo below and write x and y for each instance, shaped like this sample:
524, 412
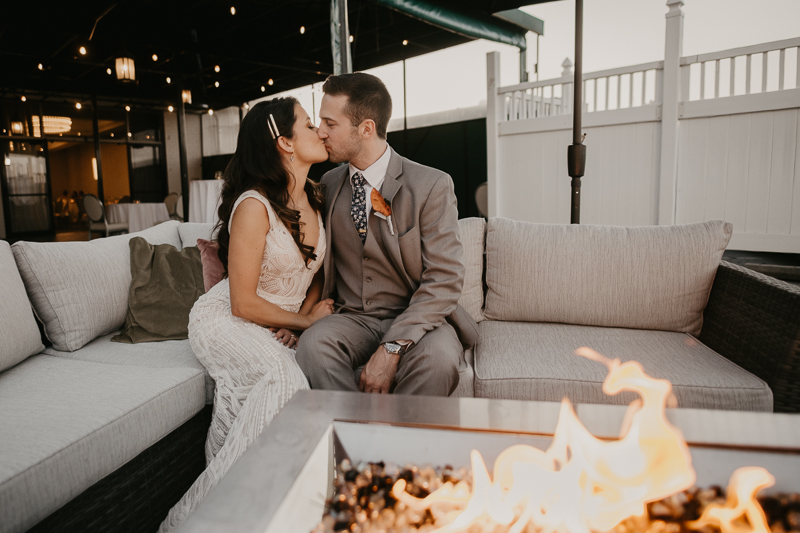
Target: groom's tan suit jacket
424, 252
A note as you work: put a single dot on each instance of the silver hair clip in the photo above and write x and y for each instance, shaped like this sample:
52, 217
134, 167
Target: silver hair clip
273, 128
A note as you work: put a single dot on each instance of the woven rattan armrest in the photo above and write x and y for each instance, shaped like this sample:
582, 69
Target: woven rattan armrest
754, 321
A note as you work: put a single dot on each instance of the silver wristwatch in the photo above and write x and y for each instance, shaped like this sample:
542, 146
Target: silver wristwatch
395, 348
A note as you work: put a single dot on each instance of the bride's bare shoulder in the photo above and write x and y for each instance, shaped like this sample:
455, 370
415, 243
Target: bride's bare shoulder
250, 216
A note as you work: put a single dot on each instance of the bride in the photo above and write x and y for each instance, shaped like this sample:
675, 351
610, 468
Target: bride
272, 244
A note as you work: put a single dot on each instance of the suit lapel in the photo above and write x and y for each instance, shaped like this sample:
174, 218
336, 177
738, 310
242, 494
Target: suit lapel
336, 189
391, 184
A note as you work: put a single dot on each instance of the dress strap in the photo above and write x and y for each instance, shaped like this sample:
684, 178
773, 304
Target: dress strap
273, 218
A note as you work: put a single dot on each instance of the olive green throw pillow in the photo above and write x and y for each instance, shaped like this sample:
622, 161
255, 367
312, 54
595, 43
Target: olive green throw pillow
166, 282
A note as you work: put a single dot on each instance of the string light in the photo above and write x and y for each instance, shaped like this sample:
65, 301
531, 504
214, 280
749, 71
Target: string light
216, 68
23, 98
155, 57
246, 106
233, 10
169, 80
112, 135
216, 84
210, 111
78, 105
40, 66
302, 30
351, 39
82, 50
405, 42
171, 109
129, 134
108, 71
127, 108
270, 82
263, 89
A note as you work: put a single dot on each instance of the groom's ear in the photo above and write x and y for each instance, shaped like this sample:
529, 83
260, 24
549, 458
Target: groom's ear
367, 128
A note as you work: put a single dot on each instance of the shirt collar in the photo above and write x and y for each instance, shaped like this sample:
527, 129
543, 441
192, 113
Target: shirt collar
375, 173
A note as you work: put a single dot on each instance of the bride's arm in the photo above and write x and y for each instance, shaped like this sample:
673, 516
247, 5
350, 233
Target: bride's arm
249, 228
314, 293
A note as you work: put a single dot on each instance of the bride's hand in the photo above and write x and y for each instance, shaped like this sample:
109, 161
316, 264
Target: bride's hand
320, 310
285, 337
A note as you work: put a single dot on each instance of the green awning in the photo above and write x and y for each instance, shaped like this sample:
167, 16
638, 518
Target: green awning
475, 26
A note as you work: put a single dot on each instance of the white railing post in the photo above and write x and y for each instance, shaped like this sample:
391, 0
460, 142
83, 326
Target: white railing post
671, 92
494, 109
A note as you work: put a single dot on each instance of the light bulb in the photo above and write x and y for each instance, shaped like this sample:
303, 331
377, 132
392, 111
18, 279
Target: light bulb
155, 57
405, 42
216, 84
263, 89
233, 10
82, 50
216, 68
24, 99
210, 111
302, 30
169, 80
171, 109
270, 81
127, 108
40, 67
78, 105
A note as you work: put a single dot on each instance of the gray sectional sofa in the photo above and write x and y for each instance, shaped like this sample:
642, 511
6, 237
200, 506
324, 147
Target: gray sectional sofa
91, 429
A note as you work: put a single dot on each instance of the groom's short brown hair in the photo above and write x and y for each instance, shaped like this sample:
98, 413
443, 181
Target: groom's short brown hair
367, 97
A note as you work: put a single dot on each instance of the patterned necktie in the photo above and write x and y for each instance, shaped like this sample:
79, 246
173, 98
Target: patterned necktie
358, 207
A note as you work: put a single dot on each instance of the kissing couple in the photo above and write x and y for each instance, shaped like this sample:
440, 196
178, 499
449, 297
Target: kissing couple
351, 284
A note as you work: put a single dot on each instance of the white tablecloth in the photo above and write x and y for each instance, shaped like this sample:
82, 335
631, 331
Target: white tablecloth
204, 198
138, 216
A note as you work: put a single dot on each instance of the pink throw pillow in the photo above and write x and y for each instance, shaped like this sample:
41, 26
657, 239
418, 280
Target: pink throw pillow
213, 271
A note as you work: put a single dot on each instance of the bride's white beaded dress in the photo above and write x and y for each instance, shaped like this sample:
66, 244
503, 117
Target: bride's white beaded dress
255, 375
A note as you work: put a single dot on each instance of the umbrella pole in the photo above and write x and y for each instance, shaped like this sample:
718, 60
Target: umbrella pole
576, 152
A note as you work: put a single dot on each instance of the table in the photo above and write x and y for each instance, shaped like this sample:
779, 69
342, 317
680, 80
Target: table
138, 216
283, 476
204, 199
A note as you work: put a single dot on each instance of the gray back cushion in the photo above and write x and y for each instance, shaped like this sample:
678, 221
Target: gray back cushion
653, 277
80, 289
18, 329
191, 231
471, 233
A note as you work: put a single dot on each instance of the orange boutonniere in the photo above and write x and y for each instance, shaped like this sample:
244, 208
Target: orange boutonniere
382, 208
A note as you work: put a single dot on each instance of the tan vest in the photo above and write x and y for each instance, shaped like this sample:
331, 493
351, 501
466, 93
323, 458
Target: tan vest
366, 282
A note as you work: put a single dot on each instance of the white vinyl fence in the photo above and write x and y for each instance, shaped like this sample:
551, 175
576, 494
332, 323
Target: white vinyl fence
681, 140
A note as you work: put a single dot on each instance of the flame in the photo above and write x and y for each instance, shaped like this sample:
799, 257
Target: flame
743, 486
581, 483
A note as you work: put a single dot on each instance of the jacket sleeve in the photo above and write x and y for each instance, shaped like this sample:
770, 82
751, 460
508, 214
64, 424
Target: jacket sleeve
442, 278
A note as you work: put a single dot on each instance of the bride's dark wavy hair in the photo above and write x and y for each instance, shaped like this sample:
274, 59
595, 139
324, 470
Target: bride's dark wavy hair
258, 165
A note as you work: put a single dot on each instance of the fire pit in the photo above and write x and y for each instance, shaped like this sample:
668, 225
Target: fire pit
282, 482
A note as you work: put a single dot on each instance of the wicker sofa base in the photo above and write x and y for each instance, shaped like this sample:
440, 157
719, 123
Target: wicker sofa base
138, 496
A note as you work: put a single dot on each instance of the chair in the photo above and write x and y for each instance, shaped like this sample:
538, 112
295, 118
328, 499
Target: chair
178, 209
482, 199
97, 217
171, 201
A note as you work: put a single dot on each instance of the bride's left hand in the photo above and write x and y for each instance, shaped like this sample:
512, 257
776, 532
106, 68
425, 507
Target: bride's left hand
285, 337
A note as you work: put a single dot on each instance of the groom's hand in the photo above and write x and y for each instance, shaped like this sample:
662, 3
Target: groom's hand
378, 374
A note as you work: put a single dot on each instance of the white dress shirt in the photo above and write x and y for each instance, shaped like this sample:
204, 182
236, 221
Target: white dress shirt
373, 175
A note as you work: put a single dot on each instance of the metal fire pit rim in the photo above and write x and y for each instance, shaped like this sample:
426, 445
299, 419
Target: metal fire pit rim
248, 497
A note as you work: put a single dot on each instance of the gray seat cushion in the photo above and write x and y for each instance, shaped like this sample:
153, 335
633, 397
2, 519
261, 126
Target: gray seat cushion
74, 422
163, 354
536, 361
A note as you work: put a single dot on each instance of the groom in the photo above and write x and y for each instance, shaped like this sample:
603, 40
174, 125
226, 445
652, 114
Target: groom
396, 279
